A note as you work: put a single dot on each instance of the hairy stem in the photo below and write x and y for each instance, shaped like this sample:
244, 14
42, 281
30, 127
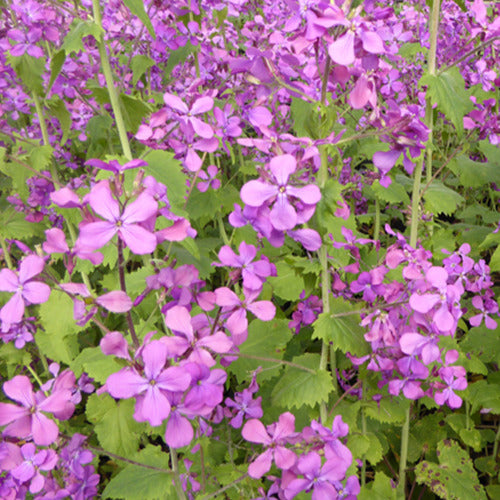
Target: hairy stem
177, 482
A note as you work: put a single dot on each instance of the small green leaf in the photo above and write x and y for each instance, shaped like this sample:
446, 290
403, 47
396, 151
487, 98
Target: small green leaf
167, 170
13, 224
30, 70
41, 157
139, 65
58, 341
474, 174
441, 199
380, 489
57, 108
454, 478
56, 64
96, 364
154, 481
395, 193
137, 8
73, 42
341, 328
288, 284
297, 387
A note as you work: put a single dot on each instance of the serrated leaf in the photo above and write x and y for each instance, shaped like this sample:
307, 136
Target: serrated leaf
13, 224
380, 489
73, 42
341, 328
143, 483
137, 8
139, 65
474, 174
41, 156
96, 364
454, 478
56, 64
134, 110
178, 56
389, 409
58, 341
472, 438
166, 169
483, 395
495, 263
441, 199
117, 431
394, 193
297, 387
30, 70
447, 90
265, 339
97, 406
288, 284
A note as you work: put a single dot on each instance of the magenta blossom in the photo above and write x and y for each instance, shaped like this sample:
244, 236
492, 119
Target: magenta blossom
283, 214
25, 291
255, 432
124, 221
28, 420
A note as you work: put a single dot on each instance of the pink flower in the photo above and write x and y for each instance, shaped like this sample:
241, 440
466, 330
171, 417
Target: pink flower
28, 420
25, 291
124, 221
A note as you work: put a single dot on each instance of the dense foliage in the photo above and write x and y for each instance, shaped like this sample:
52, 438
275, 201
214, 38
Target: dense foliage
249, 249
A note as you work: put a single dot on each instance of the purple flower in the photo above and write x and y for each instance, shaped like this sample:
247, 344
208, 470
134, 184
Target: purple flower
283, 215
94, 235
151, 389
25, 291
255, 432
28, 420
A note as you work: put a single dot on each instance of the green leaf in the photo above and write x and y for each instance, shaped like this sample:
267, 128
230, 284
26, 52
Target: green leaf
380, 489
266, 339
56, 64
178, 56
366, 445
302, 116
41, 157
30, 70
73, 42
447, 90
389, 409
341, 328
97, 406
58, 341
474, 174
288, 284
483, 395
13, 224
395, 193
441, 199
297, 387
483, 343
137, 8
472, 438
495, 263
96, 364
134, 110
454, 478
117, 430
57, 108
154, 481
139, 65
167, 170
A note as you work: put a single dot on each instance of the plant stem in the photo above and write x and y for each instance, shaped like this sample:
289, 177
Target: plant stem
121, 274
376, 229
225, 488
363, 431
177, 482
405, 434
108, 75
6, 254
495, 444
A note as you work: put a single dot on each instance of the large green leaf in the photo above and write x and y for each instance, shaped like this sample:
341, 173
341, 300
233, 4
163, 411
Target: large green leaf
441, 199
96, 364
380, 489
117, 430
58, 341
73, 42
139, 65
447, 90
150, 482
474, 174
288, 284
265, 340
454, 478
341, 328
297, 387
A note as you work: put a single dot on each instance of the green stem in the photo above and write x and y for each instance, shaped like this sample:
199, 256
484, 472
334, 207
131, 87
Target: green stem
108, 75
363, 430
225, 488
177, 482
121, 274
495, 444
376, 229
35, 376
6, 254
405, 434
